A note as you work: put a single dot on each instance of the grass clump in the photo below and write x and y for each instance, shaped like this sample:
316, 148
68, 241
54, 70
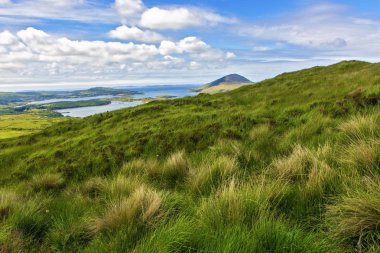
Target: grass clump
212, 174
175, 169
362, 155
360, 127
8, 201
356, 216
143, 206
47, 182
93, 187
305, 166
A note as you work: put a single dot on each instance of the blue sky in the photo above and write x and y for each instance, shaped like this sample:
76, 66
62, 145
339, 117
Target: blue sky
61, 43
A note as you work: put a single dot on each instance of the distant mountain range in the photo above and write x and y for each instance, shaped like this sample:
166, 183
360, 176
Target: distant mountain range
226, 83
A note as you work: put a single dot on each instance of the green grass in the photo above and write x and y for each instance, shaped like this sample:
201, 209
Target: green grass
291, 164
23, 124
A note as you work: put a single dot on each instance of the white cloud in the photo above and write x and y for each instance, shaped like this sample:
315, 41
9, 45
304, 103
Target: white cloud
5, 2
230, 55
326, 29
179, 18
62, 3
197, 49
135, 34
29, 12
129, 10
33, 54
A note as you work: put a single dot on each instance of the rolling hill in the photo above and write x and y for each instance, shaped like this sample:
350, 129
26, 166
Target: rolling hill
226, 83
290, 164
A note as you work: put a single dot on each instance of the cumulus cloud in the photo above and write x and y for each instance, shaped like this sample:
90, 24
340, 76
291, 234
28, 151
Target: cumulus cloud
33, 53
179, 18
196, 48
135, 34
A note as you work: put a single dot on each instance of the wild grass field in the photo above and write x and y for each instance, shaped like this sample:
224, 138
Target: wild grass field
290, 164
23, 124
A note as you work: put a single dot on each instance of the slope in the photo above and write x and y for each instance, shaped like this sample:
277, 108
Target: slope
290, 164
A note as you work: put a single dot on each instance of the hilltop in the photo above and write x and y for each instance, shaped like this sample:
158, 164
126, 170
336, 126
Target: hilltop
290, 164
226, 83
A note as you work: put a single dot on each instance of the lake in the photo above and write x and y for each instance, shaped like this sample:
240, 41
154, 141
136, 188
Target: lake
147, 92
81, 112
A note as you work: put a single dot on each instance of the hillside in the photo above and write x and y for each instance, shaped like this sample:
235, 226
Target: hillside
290, 164
226, 83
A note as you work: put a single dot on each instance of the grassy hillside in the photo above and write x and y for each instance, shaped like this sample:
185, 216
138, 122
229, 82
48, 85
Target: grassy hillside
291, 164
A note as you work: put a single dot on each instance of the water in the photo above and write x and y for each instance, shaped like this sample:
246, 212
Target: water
48, 101
177, 91
163, 90
81, 112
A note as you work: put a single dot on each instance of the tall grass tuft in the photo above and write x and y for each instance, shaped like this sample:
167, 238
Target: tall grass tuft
142, 207
93, 187
175, 169
305, 166
356, 216
8, 201
362, 155
47, 182
141, 167
360, 127
213, 173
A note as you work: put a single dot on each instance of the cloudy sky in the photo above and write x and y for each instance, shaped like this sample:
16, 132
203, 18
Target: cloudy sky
62, 43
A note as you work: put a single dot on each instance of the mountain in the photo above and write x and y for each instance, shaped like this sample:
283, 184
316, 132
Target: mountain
290, 164
223, 84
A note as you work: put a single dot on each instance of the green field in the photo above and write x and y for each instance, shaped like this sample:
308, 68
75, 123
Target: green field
290, 164
23, 124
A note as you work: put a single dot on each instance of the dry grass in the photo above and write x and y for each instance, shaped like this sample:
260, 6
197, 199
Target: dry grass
362, 154
47, 182
259, 132
357, 215
8, 200
359, 127
93, 187
143, 206
141, 167
211, 174
13, 244
120, 186
293, 167
175, 170
305, 166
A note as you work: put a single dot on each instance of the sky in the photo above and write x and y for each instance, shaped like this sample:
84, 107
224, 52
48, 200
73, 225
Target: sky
54, 44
